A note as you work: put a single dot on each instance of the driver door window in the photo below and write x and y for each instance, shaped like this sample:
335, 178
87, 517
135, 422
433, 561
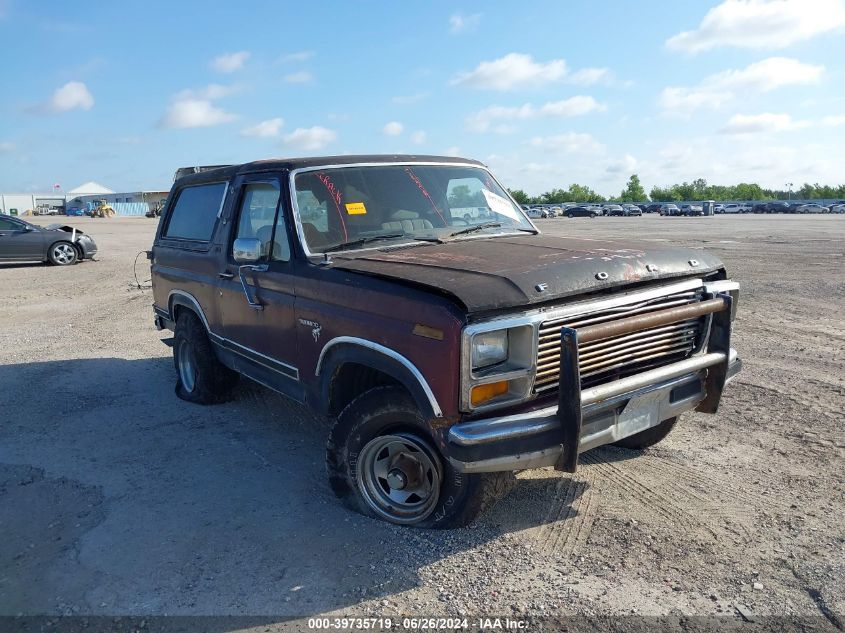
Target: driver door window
258, 220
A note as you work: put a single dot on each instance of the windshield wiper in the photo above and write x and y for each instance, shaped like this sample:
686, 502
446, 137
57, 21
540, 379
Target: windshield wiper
363, 240
477, 227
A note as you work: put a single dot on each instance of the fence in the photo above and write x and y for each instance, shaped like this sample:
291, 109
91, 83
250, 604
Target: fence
126, 208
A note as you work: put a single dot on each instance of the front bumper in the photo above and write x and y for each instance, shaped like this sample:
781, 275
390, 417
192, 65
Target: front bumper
532, 440
87, 246
606, 413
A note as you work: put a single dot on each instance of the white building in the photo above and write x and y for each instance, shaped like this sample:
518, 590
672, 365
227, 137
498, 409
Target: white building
91, 191
126, 203
21, 203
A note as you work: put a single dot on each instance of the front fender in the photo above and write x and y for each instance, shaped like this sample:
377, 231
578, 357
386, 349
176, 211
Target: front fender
342, 350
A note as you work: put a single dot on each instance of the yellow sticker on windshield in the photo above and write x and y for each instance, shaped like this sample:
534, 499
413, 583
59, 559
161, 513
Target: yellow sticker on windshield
356, 208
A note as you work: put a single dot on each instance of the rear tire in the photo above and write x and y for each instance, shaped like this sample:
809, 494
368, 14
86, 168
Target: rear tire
380, 440
202, 378
649, 437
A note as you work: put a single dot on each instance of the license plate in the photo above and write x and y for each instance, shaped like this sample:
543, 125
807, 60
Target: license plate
641, 413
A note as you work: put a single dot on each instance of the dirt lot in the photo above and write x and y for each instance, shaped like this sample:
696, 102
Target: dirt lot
118, 498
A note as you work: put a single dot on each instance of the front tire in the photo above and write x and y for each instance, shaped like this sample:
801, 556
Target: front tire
202, 378
382, 462
63, 254
649, 437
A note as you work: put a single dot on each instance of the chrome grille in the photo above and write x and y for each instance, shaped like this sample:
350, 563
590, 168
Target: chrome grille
625, 354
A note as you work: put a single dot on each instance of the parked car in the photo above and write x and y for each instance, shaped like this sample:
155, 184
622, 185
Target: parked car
733, 207
654, 207
56, 244
536, 214
778, 206
582, 212
670, 209
420, 336
837, 208
633, 210
811, 208
718, 208
554, 211
692, 210
613, 210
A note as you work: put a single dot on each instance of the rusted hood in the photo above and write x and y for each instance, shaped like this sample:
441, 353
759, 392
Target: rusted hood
496, 273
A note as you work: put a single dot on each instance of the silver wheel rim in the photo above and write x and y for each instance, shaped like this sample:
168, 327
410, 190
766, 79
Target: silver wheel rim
187, 366
399, 477
63, 253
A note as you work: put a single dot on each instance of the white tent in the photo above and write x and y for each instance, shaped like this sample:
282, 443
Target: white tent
89, 189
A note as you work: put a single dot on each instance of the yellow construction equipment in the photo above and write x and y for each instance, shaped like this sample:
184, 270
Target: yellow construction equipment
102, 209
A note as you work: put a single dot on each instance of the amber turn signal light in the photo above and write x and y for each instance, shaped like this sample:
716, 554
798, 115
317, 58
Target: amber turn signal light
482, 393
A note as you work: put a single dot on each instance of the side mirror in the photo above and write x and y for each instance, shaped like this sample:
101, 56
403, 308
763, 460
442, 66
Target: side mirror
246, 250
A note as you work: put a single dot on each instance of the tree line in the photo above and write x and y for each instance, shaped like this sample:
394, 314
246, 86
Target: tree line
698, 189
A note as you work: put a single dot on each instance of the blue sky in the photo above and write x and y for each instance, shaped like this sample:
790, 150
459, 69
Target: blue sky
546, 93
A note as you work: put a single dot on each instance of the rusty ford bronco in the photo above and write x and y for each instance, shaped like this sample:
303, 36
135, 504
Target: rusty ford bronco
411, 301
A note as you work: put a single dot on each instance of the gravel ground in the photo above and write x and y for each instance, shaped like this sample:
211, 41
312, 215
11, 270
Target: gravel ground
118, 498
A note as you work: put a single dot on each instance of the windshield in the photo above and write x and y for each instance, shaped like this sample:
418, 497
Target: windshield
357, 206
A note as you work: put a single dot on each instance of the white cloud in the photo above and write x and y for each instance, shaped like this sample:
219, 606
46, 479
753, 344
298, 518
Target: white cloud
761, 124
230, 62
208, 93
418, 137
454, 150
6, 147
578, 105
394, 128
266, 129
721, 88
518, 70
574, 106
834, 120
194, 108
460, 23
73, 95
190, 113
409, 99
589, 76
299, 56
570, 142
514, 70
301, 77
761, 24
310, 139
625, 165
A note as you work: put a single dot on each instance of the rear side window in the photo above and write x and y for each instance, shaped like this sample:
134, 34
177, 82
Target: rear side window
195, 212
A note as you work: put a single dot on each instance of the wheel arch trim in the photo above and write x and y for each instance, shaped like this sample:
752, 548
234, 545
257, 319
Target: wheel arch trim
371, 347
180, 297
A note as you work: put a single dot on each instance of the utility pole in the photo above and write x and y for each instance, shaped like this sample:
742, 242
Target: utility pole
789, 194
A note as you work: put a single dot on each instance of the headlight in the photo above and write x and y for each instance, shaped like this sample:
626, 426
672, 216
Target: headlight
489, 348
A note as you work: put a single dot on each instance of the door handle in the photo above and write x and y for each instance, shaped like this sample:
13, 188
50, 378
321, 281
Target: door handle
251, 298
226, 274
